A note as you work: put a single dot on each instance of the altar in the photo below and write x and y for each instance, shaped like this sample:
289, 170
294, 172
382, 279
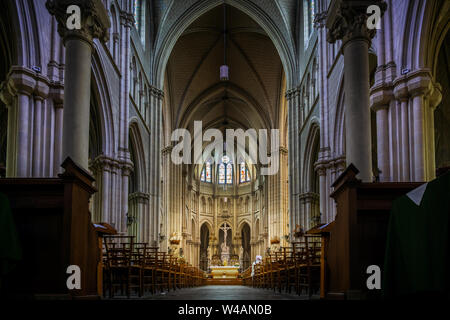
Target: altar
224, 272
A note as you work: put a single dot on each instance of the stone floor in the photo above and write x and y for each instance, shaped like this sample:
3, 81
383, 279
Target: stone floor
222, 292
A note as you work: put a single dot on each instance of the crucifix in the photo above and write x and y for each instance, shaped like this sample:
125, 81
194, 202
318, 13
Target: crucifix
225, 227
225, 250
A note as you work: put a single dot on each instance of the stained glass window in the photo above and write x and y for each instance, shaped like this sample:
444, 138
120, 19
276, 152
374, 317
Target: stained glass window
136, 12
229, 173
308, 15
221, 173
203, 175
206, 173
225, 171
242, 172
139, 18
244, 175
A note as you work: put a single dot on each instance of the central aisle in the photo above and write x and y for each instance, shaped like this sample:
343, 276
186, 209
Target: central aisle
224, 293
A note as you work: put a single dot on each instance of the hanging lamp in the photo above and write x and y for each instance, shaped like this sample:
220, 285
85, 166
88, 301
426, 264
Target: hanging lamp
224, 69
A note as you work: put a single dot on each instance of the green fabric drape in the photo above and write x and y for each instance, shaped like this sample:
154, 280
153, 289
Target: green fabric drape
10, 250
417, 248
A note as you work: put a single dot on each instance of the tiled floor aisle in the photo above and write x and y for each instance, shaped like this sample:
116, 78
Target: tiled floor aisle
225, 293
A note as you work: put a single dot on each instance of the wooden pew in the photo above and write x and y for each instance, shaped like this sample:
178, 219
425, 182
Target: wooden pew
358, 235
54, 226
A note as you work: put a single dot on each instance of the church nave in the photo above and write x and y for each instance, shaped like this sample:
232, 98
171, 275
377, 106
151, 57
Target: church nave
224, 149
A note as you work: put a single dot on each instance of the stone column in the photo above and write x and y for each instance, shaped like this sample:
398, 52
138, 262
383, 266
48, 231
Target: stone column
401, 95
136, 210
40, 125
321, 171
57, 95
166, 201
379, 100
419, 86
156, 98
347, 20
126, 169
77, 79
434, 100
21, 84
7, 98
292, 102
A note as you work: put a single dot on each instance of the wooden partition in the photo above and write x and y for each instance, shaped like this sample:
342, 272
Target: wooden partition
54, 225
357, 238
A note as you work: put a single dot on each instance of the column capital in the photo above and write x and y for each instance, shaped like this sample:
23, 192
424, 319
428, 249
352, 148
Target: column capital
21, 80
435, 95
166, 150
42, 88
155, 92
116, 36
126, 19
292, 93
420, 83
94, 19
127, 167
347, 20
380, 96
5, 95
401, 89
140, 197
102, 162
321, 168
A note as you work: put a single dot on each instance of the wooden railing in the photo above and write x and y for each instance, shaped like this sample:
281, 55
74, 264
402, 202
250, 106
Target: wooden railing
291, 268
137, 268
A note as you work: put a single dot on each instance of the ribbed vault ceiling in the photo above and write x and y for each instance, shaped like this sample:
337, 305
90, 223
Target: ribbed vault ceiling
193, 90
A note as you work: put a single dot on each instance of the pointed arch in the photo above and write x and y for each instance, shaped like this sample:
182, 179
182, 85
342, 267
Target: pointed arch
339, 123
425, 25
282, 43
102, 94
137, 150
311, 154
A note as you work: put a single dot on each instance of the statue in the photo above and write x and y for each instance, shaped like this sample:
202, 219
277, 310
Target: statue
241, 256
208, 256
257, 261
298, 231
225, 252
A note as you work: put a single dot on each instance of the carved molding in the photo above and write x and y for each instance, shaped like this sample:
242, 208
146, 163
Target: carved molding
347, 20
94, 19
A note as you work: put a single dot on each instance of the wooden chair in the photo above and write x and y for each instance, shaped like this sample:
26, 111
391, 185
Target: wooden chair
258, 278
123, 265
149, 269
299, 257
286, 269
309, 266
162, 272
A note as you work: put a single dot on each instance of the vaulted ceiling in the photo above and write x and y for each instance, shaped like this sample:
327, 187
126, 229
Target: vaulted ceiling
252, 98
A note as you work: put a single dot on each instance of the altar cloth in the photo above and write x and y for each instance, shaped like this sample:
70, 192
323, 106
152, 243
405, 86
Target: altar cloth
224, 272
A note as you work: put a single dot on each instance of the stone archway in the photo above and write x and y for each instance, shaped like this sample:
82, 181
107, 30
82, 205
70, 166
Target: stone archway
442, 111
245, 253
204, 245
262, 14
